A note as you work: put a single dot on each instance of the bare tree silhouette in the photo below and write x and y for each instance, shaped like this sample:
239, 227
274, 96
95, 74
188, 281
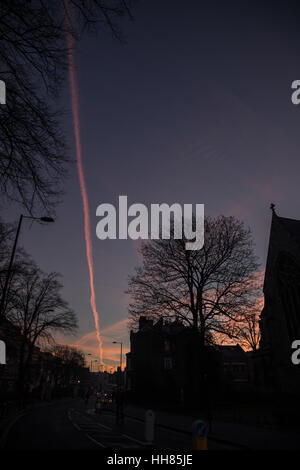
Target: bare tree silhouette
248, 330
33, 60
69, 360
205, 289
38, 310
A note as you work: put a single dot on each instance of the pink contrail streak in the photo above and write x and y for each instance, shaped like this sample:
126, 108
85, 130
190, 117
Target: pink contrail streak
87, 229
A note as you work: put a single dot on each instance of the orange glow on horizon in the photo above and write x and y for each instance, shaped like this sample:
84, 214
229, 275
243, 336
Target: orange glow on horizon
88, 344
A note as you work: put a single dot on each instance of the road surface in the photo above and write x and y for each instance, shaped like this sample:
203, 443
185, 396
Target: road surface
70, 425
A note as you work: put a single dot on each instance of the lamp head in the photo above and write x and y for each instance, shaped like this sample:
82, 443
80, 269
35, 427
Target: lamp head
46, 219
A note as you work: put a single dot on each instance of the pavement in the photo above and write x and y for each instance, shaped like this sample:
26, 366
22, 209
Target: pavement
242, 436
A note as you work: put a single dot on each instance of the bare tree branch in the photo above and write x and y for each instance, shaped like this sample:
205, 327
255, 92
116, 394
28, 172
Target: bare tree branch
33, 62
206, 289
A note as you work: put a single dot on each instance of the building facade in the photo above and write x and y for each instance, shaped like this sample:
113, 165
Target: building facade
280, 318
165, 363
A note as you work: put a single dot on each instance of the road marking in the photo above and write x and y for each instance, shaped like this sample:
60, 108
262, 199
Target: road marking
103, 426
123, 435
111, 429
133, 439
11, 423
86, 434
74, 424
94, 440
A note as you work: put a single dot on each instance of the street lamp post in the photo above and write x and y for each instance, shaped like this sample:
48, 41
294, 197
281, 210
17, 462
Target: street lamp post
120, 394
3, 297
121, 355
92, 361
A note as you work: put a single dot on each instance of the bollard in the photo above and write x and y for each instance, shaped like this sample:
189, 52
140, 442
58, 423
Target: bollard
200, 435
149, 426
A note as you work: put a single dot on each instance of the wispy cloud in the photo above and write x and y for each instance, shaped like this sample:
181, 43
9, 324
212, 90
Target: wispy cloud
118, 331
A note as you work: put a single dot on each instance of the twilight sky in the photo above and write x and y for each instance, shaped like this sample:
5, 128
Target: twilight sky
195, 108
